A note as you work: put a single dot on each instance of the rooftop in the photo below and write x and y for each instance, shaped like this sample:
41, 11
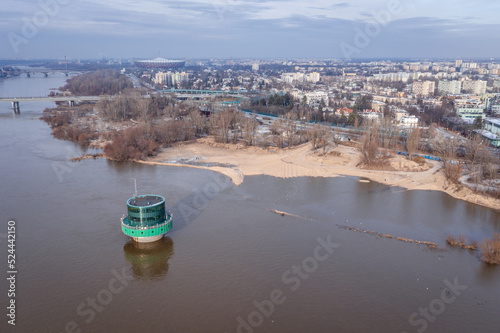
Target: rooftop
145, 200
488, 134
495, 121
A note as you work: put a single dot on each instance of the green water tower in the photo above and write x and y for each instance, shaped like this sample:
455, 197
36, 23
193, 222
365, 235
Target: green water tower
147, 220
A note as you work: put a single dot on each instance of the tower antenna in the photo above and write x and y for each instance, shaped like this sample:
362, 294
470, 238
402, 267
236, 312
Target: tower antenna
135, 186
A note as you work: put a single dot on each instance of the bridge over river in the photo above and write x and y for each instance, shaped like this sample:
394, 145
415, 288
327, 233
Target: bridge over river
182, 94
71, 100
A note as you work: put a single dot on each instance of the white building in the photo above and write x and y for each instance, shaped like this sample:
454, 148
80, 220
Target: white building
163, 78
372, 115
450, 87
313, 77
492, 125
301, 77
495, 109
170, 78
474, 87
291, 77
400, 113
462, 103
470, 113
396, 77
255, 67
424, 88
317, 97
489, 137
179, 77
491, 131
409, 121
471, 65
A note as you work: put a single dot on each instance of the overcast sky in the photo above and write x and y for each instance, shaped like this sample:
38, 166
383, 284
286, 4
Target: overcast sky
249, 28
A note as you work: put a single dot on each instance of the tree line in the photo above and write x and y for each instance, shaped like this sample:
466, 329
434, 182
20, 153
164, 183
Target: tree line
101, 82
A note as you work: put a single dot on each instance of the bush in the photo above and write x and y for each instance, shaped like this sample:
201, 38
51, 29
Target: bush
64, 130
490, 250
142, 141
451, 240
462, 240
452, 172
419, 160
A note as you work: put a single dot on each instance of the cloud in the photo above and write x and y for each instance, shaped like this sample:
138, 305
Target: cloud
254, 26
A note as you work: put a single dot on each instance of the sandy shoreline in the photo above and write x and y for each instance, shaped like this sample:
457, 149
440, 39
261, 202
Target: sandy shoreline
236, 162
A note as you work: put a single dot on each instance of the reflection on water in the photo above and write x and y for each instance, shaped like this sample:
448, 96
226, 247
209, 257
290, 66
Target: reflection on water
149, 260
488, 273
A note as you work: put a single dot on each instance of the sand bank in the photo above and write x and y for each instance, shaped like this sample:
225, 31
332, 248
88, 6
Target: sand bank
237, 161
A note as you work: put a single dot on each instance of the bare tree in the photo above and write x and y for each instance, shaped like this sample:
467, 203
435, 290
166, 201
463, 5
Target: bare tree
236, 125
325, 135
412, 141
199, 122
143, 106
320, 137
304, 119
290, 128
312, 134
369, 144
250, 126
476, 157
119, 108
445, 149
278, 129
336, 136
220, 124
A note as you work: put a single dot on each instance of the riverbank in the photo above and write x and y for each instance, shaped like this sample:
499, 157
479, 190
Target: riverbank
237, 161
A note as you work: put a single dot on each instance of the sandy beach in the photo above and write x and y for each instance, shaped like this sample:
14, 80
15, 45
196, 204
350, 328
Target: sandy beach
237, 161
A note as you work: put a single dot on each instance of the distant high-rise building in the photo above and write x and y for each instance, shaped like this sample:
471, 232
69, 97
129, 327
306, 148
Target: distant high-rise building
301, 77
255, 67
170, 78
179, 77
313, 77
470, 65
163, 78
458, 63
424, 88
474, 87
450, 87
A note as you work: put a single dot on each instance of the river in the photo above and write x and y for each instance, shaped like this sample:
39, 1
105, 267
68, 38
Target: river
230, 264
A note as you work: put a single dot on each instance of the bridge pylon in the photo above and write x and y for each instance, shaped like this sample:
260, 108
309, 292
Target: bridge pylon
16, 108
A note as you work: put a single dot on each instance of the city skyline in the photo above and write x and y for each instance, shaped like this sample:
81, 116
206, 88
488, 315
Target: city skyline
249, 29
